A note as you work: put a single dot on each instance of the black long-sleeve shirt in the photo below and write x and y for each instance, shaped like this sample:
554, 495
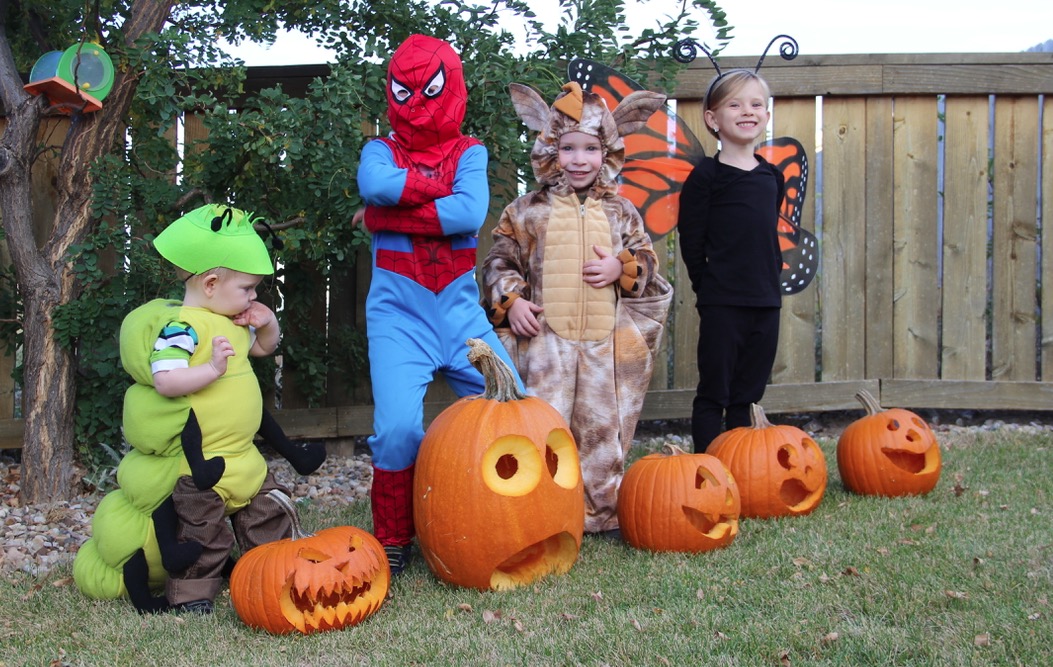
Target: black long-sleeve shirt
727, 230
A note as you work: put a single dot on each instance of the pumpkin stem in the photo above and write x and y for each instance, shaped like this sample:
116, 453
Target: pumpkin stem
672, 450
286, 504
501, 383
869, 402
757, 417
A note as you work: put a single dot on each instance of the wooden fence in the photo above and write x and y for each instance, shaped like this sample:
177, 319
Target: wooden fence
931, 178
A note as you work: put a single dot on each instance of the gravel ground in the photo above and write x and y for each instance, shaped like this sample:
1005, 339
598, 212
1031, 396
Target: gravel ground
36, 538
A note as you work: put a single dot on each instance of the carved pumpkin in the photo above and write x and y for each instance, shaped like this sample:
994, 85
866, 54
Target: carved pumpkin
779, 469
678, 502
888, 452
498, 496
333, 579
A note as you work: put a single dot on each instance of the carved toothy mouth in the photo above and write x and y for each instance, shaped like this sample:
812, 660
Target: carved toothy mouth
330, 606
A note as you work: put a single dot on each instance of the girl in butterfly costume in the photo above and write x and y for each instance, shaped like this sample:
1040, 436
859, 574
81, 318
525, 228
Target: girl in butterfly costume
577, 258
426, 195
729, 209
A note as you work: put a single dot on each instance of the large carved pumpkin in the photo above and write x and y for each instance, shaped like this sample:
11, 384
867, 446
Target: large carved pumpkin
333, 579
780, 470
498, 496
678, 502
888, 452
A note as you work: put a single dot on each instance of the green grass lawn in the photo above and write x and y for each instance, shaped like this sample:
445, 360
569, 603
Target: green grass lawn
963, 576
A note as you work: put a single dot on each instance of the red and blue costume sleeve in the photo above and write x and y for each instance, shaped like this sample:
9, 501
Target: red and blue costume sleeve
424, 227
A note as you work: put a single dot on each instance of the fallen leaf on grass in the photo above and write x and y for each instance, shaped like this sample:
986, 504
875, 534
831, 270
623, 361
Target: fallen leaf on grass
850, 572
982, 639
830, 637
1034, 617
956, 595
700, 594
568, 617
720, 635
597, 596
518, 625
491, 616
464, 606
784, 659
636, 624
64, 581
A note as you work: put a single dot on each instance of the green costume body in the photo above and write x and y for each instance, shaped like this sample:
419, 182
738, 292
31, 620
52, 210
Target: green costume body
228, 412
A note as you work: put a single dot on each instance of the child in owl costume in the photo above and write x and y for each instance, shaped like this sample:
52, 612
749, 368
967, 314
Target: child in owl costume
577, 257
166, 526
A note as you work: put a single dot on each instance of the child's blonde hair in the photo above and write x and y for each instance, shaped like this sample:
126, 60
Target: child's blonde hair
727, 84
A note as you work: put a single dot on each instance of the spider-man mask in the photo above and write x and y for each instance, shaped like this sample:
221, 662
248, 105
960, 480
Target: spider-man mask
426, 96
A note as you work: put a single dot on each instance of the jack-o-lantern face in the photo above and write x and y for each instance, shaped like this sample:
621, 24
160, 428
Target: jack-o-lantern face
333, 579
678, 502
888, 452
779, 469
498, 496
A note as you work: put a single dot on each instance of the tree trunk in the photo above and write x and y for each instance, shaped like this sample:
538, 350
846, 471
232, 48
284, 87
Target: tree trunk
44, 277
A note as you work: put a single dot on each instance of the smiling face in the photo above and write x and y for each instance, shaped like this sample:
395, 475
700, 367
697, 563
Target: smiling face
681, 502
580, 156
738, 110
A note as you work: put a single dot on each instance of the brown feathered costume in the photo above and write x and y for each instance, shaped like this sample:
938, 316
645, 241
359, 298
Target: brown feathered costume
594, 356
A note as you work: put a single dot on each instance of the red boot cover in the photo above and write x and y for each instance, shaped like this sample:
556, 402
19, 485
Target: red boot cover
392, 499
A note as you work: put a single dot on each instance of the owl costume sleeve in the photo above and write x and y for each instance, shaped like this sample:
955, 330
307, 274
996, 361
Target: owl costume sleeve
595, 353
133, 547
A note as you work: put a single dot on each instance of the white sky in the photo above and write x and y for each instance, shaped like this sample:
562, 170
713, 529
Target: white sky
819, 26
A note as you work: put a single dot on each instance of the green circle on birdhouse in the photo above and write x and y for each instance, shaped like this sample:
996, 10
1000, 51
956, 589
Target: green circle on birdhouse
46, 66
88, 68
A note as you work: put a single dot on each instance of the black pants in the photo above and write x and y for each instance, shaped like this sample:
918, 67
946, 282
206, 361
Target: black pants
736, 352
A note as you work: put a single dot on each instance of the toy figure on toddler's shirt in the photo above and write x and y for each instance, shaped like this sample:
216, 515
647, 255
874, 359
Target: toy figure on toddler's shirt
195, 394
426, 194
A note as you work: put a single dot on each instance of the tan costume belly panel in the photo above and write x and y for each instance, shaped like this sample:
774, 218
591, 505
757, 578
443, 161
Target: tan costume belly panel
573, 309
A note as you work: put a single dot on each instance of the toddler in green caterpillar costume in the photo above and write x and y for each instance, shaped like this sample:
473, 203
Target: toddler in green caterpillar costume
195, 395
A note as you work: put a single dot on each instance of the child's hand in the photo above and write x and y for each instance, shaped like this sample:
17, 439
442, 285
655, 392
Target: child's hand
522, 317
256, 315
221, 349
358, 217
603, 271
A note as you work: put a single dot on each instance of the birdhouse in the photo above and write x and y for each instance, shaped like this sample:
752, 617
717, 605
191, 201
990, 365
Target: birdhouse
74, 80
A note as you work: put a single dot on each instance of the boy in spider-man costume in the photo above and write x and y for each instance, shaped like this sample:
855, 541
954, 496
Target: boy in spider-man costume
426, 196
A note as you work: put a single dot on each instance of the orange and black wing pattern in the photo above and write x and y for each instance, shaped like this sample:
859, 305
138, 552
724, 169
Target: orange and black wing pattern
658, 157
800, 257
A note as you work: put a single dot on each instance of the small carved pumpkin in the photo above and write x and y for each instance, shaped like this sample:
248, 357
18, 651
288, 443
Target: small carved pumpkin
888, 452
678, 502
498, 496
779, 469
333, 579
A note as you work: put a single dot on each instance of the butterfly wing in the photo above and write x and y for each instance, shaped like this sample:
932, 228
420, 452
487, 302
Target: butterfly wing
800, 257
658, 157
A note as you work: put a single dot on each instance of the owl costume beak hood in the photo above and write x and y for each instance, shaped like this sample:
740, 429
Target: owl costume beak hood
214, 236
577, 110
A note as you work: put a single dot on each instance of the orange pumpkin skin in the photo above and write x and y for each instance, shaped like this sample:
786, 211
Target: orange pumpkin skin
498, 495
678, 502
331, 580
888, 453
779, 469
